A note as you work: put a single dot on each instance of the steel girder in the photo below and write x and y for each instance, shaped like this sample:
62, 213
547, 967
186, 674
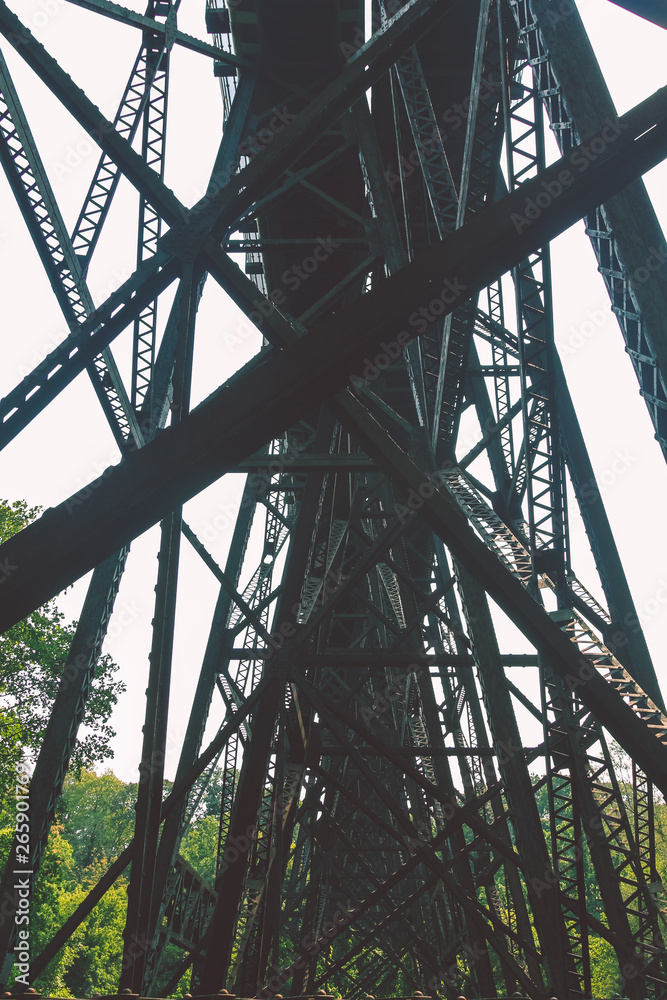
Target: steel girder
393, 591
578, 101
648, 9
26, 175
311, 366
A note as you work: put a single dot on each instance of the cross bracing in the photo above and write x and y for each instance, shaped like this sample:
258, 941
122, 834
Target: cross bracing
379, 820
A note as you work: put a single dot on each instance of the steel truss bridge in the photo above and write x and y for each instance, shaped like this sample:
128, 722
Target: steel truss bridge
385, 823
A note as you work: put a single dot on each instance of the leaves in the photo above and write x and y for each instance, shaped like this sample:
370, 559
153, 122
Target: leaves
90, 962
94, 823
33, 654
200, 846
96, 812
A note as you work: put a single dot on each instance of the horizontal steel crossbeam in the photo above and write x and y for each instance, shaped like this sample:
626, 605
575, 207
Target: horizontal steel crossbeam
287, 383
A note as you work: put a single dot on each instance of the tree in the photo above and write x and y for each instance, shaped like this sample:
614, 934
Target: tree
207, 791
96, 813
605, 975
91, 961
32, 655
200, 846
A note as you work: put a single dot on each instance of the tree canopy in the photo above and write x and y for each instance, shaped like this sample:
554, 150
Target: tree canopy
32, 656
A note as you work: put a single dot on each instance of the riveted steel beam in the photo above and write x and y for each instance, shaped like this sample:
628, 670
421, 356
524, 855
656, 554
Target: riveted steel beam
184, 459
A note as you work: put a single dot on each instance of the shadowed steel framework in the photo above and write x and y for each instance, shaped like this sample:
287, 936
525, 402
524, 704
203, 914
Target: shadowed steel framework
385, 823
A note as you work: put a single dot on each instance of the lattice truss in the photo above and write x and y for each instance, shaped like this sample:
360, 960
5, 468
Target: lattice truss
385, 827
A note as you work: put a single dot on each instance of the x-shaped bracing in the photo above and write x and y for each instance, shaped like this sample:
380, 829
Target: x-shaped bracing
289, 380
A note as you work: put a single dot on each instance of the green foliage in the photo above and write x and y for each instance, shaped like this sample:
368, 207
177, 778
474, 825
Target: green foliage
91, 960
94, 823
605, 976
661, 841
32, 656
171, 960
51, 904
14, 516
96, 812
200, 846
208, 789
11, 756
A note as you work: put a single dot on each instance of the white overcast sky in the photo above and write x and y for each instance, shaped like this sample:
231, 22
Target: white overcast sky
70, 444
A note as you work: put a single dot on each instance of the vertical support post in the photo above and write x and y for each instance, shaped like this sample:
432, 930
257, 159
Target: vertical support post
518, 787
141, 897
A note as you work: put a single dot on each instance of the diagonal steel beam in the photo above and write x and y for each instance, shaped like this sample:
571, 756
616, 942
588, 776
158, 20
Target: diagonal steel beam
279, 386
32, 189
290, 382
62, 729
84, 344
650, 10
364, 68
625, 232
181, 786
222, 199
167, 30
70, 357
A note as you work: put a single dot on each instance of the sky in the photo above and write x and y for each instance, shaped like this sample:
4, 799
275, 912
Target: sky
69, 444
